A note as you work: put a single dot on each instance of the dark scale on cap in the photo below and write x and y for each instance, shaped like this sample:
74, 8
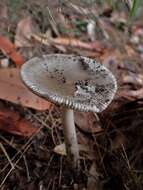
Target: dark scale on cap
98, 66
107, 100
99, 90
64, 80
46, 66
84, 64
104, 75
79, 82
86, 82
102, 70
56, 70
111, 85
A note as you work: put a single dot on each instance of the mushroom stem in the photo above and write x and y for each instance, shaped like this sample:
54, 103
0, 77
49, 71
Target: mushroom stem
71, 143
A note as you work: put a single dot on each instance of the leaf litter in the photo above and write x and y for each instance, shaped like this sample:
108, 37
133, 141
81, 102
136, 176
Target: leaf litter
11, 122
115, 140
13, 90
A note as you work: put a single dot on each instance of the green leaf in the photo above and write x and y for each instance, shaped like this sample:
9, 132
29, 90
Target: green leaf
134, 8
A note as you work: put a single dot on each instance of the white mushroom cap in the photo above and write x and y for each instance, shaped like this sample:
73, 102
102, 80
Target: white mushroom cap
73, 81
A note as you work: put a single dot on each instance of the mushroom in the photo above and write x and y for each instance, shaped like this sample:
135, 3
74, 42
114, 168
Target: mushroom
76, 83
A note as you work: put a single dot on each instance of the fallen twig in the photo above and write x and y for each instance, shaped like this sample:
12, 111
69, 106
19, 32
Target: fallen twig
71, 42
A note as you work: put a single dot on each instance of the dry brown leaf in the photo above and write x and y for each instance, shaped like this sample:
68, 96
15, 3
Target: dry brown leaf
111, 62
87, 122
130, 51
11, 122
119, 17
137, 94
94, 46
3, 15
118, 141
8, 49
135, 79
3, 10
137, 29
13, 90
25, 28
71, 42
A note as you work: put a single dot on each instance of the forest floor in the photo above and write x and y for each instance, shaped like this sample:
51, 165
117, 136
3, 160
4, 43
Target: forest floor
31, 128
